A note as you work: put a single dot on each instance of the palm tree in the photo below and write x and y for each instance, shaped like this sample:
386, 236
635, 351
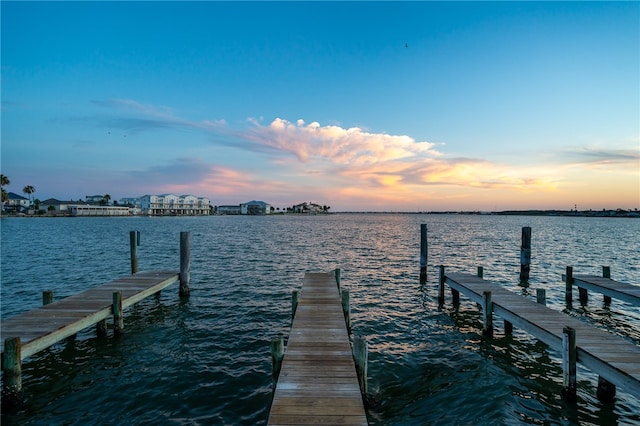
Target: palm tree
105, 200
29, 189
4, 181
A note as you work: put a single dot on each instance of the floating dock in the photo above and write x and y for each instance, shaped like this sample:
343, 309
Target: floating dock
616, 360
318, 382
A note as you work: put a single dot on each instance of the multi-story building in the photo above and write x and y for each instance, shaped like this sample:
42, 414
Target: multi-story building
173, 205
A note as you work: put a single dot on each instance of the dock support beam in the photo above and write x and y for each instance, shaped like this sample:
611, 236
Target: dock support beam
568, 295
277, 354
525, 254
361, 358
295, 296
569, 359
423, 253
346, 309
185, 264
441, 286
118, 321
606, 273
12, 371
487, 314
133, 244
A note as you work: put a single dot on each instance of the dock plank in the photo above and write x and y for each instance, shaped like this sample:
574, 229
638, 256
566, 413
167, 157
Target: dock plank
611, 356
44, 326
318, 383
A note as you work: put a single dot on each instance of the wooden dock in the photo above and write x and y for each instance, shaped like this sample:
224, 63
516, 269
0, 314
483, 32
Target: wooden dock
42, 327
603, 285
318, 383
615, 359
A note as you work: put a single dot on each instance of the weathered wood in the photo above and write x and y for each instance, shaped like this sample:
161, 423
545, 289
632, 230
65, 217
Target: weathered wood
541, 296
569, 360
277, 353
424, 253
44, 326
612, 357
604, 285
133, 246
295, 296
361, 357
441, 286
318, 383
568, 294
346, 308
337, 275
185, 263
118, 320
47, 297
12, 368
487, 314
525, 254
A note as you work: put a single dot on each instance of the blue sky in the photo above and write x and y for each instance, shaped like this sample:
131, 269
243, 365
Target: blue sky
360, 106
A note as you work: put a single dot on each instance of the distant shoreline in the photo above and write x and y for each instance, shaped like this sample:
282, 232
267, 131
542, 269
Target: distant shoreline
619, 213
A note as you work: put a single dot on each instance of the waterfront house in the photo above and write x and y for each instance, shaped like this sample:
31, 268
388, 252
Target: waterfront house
16, 203
255, 208
173, 205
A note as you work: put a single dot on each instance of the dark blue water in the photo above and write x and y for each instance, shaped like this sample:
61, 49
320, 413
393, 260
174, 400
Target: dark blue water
206, 360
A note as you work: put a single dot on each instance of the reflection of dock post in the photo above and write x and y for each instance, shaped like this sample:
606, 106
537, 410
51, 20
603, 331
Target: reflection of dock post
423, 253
525, 254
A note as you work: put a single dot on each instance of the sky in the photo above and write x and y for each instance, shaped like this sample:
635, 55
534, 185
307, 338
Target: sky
360, 106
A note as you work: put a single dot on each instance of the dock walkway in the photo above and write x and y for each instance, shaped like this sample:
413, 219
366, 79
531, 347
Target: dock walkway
615, 359
318, 383
607, 287
42, 327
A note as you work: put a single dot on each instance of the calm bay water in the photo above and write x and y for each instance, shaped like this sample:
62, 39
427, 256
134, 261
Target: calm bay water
206, 360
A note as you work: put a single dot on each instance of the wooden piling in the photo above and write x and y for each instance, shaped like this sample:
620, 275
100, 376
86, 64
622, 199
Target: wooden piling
525, 254
133, 245
606, 391
569, 359
480, 272
441, 286
12, 370
423, 253
118, 320
568, 294
277, 354
185, 263
101, 328
487, 314
606, 273
337, 273
47, 297
346, 309
361, 358
541, 296
295, 297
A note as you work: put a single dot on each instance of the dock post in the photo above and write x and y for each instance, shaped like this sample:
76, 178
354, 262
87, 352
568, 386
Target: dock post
346, 309
47, 297
606, 390
118, 321
480, 273
133, 244
12, 371
568, 295
423, 253
606, 273
525, 254
487, 314
101, 328
441, 286
361, 358
185, 264
277, 354
541, 296
295, 296
569, 358
337, 272
583, 295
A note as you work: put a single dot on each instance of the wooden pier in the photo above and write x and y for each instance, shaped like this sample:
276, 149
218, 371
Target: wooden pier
603, 285
33, 331
318, 382
616, 360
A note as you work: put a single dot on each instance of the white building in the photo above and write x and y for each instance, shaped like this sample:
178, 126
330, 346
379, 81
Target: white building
173, 205
93, 210
255, 208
